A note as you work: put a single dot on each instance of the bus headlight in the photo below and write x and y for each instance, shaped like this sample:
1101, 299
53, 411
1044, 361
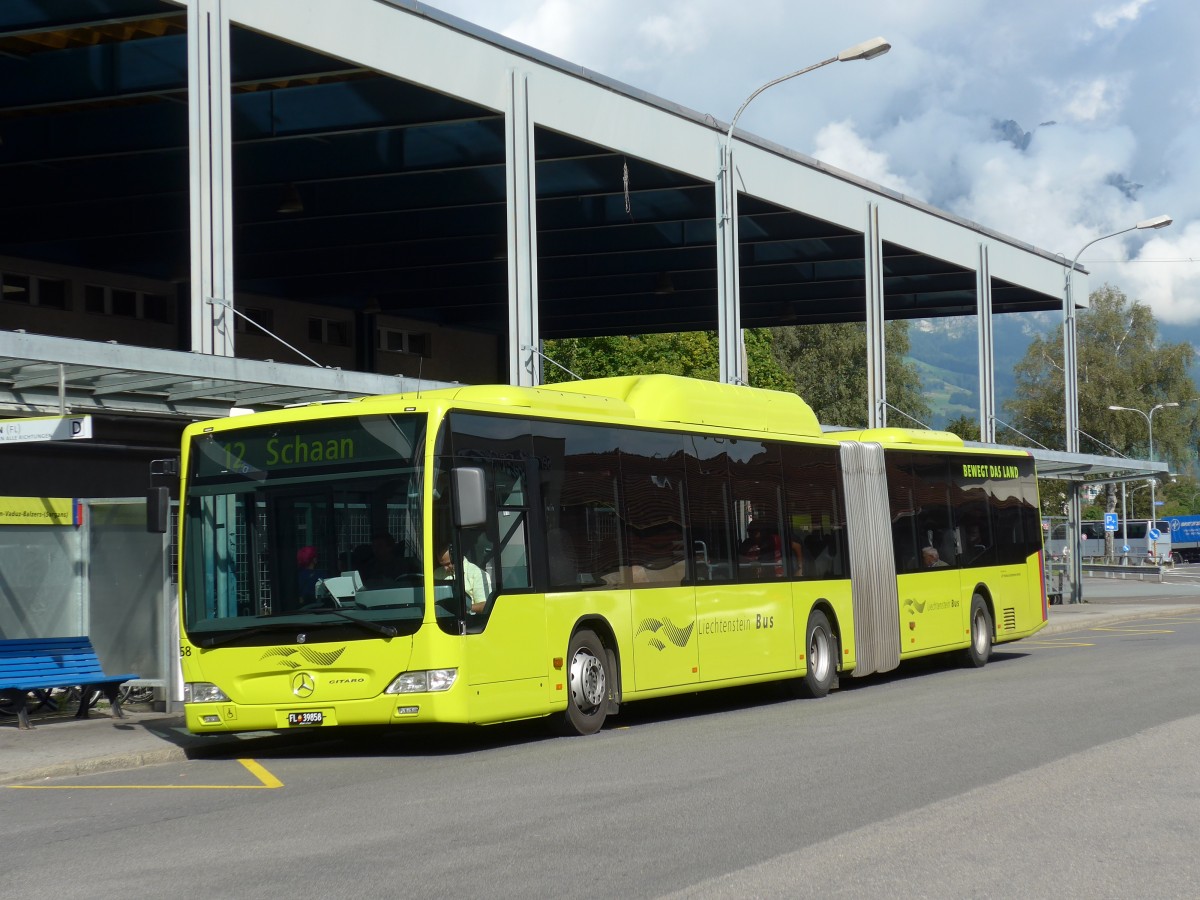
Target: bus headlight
203, 692
423, 682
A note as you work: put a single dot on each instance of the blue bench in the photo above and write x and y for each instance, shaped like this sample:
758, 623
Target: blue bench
39, 663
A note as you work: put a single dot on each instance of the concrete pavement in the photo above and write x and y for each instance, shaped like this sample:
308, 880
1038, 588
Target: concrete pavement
59, 745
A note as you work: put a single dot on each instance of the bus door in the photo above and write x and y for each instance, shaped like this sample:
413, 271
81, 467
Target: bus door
662, 599
928, 557
488, 586
1001, 536
741, 559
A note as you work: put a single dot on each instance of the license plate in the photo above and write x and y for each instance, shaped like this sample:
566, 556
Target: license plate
306, 718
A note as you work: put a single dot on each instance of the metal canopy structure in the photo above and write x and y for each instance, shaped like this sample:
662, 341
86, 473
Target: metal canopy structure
109, 378
355, 188
377, 156
1094, 469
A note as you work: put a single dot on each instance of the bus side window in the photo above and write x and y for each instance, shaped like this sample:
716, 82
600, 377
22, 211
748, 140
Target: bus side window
579, 476
652, 482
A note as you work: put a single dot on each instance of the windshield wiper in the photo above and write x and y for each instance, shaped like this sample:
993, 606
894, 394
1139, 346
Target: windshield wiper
231, 636
378, 628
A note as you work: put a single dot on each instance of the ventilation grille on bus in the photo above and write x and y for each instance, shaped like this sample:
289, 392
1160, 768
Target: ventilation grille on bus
1010, 619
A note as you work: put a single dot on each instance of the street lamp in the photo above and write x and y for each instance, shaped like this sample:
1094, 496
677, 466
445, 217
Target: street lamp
1070, 363
1149, 417
1071, 391
730, 321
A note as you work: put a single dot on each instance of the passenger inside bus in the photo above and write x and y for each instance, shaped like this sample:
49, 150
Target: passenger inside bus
931, 559
974, 545
308, 576
761, 552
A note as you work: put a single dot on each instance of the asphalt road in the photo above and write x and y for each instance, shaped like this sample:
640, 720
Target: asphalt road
1064, 768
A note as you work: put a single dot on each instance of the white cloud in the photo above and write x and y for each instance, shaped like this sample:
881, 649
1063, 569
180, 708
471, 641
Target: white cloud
678, 32
840, 145
1114, 16
1165, 275
558, 27
1085, 99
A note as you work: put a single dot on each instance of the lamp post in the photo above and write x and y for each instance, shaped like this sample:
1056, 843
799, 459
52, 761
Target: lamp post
1149, 417
1133, 495
1071, 393
732, 361
1070, 362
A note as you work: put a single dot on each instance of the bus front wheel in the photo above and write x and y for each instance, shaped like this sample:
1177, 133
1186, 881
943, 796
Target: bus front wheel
980, 648
588, 680
822, 667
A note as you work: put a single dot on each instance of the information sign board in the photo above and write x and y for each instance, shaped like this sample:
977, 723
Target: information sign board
45, 428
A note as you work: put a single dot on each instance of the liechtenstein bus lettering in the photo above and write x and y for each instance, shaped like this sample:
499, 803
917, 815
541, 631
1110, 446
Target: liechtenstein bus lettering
486, 554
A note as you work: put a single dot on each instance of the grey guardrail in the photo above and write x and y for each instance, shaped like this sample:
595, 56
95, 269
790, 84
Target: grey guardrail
1132, 573
1056, 573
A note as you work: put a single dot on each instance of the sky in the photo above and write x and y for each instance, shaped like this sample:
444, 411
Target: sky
1051, 121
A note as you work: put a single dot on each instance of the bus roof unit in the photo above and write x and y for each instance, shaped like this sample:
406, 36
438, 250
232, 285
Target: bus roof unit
688, 401
903, 436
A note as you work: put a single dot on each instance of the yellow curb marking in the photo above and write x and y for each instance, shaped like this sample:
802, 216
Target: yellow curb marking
1132, 629
266, 781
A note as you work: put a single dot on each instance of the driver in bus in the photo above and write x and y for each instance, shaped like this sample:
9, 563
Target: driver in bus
474, 581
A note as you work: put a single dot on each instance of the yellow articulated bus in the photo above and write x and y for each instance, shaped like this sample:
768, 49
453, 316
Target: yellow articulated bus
485, 554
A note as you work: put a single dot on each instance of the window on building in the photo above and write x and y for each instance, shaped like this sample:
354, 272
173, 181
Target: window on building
328, 331
30, 290
15, 288
393, 340
105, 300
52, 293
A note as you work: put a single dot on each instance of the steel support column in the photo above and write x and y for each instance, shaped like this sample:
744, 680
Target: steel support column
876, 317
210, 177
729, 313
987, 351
525, 365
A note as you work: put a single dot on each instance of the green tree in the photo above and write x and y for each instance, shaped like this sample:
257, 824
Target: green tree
965, 427
694, 354
1122, 362
828, 367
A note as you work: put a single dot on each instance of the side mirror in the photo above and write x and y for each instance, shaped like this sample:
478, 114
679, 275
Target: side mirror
470, 496
158, 510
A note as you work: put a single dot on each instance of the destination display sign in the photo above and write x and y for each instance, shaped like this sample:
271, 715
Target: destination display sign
339, 443
989, 470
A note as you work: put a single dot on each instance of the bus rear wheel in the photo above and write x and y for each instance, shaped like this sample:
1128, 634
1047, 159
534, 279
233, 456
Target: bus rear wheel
588, 680
822, 667
980, 648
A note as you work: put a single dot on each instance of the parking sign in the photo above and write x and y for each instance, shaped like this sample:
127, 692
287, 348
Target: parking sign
1110, 521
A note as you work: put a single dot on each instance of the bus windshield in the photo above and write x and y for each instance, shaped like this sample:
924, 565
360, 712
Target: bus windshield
311, 526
